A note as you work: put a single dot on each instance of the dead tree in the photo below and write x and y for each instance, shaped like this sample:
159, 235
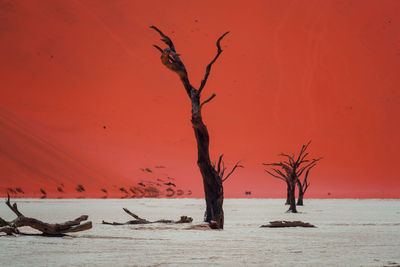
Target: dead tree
138, 220
290, 171
213, 175
47, 229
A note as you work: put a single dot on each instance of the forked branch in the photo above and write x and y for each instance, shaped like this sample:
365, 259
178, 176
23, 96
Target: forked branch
208, 68
221, 169
172, 61
170, 58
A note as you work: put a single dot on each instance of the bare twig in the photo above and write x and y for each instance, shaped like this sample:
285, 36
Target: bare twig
208, 100
237, 165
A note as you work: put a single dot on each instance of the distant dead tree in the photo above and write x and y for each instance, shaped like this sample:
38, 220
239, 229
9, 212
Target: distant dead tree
290, 171
213, 174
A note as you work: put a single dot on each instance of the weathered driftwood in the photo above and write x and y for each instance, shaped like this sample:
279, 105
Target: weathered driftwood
280, 224
48, 229
138, 220
213, 176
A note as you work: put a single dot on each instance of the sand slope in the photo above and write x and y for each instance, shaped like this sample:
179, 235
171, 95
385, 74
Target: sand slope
85, 83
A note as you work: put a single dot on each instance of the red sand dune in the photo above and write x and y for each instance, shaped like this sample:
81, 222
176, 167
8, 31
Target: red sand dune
85, 100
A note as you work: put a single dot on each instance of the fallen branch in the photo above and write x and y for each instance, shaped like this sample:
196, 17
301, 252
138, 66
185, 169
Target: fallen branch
138, 220
213, 225
281, 224
47, 229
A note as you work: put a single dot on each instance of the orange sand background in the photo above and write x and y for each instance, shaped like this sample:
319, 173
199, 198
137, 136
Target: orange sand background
291, 71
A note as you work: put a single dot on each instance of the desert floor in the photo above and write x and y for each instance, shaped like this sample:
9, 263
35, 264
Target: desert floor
349, 233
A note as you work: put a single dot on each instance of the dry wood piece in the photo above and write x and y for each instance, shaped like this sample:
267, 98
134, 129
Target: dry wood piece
138, 220
280, 224
213, 225
47, 229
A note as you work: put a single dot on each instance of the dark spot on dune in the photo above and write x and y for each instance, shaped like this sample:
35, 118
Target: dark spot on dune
122, 189
170, 192
179, 192
80, 188
189, 192
170, 178
152, 192
104, 197
44, 196
104, 127
19, 190
59, 189
142, 184
137, 192
196, 20
11, 190
51, 56
169, 184
43, 192
104, 190
148, 170
247, 193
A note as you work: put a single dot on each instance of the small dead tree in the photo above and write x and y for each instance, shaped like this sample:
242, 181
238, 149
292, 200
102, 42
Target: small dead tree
47, 229
290, 171
212, 177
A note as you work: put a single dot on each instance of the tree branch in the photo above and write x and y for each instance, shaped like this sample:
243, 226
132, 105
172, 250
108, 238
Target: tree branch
164, 38
233, 169
219, 164
275, 175
13, 207
208, 100
172, 61
208, 68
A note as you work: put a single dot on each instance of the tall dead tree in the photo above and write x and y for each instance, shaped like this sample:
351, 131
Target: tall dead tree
213, 174
290, 171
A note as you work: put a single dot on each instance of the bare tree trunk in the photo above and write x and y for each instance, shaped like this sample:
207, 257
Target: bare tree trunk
292, 198
301, 193
213, 189
287, 194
